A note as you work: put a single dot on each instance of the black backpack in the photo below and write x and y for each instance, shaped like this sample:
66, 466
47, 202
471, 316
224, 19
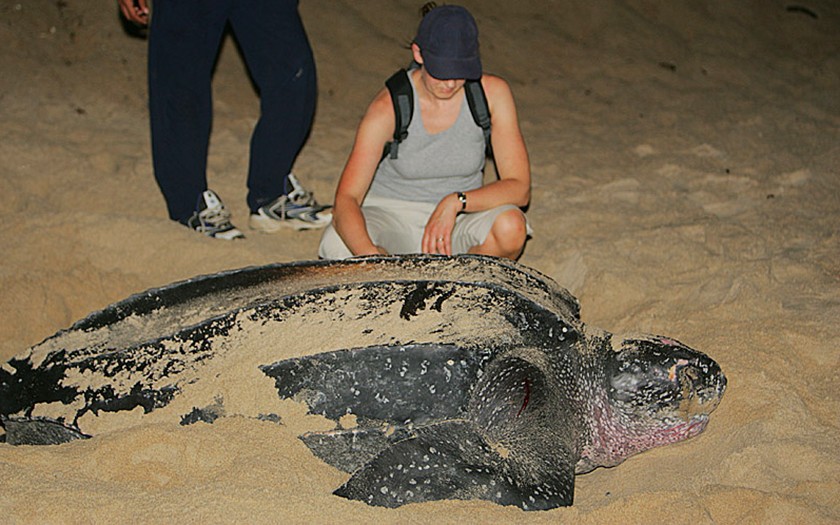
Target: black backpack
403, 99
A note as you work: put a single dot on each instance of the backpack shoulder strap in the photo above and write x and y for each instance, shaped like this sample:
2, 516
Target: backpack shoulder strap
480, 110
403, 99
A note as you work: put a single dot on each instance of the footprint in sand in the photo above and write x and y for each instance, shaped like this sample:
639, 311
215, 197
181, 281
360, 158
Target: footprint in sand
624, 190
644, 150
725, 196
794, 179
707, 151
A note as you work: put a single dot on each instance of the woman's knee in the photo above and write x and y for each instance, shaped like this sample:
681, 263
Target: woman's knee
510, 229
507, 236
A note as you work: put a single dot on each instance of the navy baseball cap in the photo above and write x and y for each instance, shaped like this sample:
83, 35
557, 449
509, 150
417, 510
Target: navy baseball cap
448, 41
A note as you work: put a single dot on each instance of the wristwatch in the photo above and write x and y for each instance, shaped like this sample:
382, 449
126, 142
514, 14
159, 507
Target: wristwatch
463, 198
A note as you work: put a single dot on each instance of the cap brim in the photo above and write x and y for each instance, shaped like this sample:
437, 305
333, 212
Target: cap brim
443, 68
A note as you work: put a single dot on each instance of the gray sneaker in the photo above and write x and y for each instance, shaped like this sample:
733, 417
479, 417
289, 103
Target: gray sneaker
297, 210
213, 219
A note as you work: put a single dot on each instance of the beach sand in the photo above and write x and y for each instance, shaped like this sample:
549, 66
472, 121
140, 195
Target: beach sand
685, 182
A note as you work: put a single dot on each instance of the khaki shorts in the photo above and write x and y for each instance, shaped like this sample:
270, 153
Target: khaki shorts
398, 226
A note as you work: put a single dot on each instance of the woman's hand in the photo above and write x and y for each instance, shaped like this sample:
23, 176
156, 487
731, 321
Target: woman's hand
136, 11
374, 249
437, 237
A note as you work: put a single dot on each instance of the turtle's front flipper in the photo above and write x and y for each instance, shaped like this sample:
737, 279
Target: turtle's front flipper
398, 384
453, 460
39, 431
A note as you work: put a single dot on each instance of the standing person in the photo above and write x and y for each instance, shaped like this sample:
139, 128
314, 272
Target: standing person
184, 39
431, 197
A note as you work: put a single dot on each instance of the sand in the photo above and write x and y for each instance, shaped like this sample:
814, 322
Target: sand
685, 181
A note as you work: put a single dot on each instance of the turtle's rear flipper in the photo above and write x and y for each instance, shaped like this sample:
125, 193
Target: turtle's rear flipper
39, 431
452, 460
350, 449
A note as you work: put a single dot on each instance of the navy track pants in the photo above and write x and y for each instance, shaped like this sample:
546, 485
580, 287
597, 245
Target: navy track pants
184, 40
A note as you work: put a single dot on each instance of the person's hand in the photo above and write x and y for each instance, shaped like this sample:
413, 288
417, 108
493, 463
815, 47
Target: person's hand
437, 237
375, 249
136, 11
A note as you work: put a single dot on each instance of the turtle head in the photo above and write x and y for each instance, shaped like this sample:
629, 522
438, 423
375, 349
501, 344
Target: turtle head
659, 391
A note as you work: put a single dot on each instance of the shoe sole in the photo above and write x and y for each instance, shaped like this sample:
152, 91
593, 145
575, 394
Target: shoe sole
230, 235
265, 225
226, 236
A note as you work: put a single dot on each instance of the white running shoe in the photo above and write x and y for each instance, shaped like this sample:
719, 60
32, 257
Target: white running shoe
297, 210
213, 219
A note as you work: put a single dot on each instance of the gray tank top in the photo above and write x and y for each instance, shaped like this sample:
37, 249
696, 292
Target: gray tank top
431, 166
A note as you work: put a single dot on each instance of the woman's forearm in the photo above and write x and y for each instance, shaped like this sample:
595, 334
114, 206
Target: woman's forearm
350, 225
498, 193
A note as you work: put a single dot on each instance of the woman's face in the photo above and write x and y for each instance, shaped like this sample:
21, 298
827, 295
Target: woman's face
441, 89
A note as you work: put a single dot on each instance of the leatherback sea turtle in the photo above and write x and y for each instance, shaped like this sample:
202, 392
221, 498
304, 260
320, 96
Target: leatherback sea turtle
449, 378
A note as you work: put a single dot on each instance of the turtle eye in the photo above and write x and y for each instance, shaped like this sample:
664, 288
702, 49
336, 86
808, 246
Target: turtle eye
642, 384
626, 383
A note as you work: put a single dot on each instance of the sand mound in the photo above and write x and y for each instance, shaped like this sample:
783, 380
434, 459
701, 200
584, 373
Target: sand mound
685, 182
